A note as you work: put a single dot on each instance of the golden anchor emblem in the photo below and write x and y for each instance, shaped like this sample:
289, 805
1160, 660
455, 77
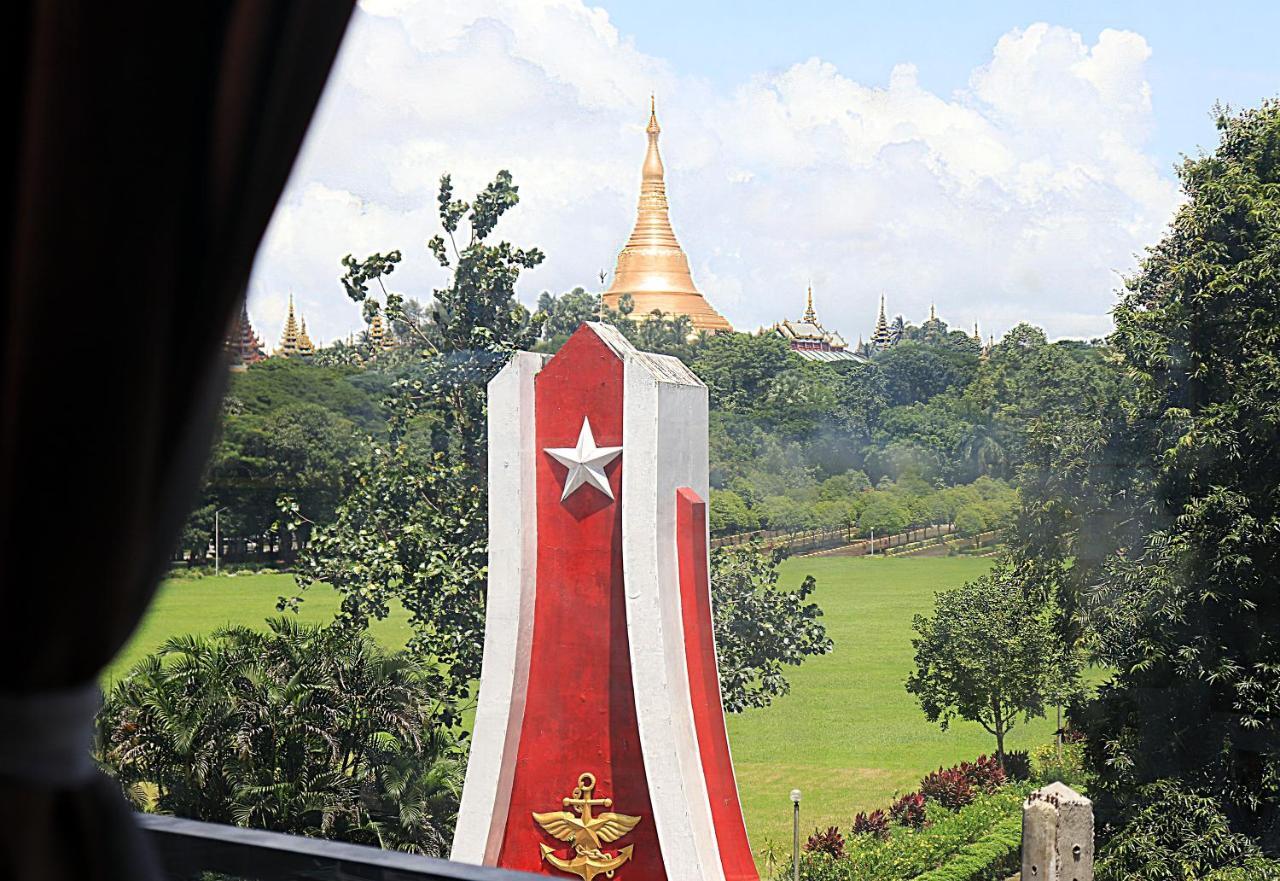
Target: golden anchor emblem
587, 832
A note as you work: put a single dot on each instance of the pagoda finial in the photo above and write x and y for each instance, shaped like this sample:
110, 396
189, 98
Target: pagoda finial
289, 337
882, 338
652, 267
977, 337
305, 346
809, 315
933, 311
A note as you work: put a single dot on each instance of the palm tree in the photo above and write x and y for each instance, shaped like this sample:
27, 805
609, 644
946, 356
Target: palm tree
301, 729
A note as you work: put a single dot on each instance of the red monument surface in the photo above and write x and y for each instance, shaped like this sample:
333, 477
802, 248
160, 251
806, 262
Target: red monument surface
600, 746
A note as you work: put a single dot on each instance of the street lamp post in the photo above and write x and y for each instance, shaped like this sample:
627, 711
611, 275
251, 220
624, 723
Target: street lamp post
217, 541
795, 834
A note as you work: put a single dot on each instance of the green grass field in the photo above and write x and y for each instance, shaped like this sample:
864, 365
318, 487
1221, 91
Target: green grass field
848, 736
202, 605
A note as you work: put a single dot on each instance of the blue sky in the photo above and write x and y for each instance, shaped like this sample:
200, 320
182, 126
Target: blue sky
1006, 161
1202, 52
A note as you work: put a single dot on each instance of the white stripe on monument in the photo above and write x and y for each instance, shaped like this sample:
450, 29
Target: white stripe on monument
664, 435
513, 561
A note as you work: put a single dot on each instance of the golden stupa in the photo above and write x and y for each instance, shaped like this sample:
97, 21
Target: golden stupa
653, 268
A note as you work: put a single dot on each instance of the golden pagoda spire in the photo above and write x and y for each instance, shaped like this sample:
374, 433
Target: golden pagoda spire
882, 337
977, 337
305, 346
933, 311
809, 315
652, 267
289, 338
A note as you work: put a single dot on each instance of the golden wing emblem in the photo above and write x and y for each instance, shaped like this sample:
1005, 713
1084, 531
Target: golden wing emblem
611, 827
561, 824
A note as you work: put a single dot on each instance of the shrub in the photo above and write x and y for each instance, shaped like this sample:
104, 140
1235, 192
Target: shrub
830, 842
1017, 765
949, 788
949, 836
1253, 869
909, 811
994, 855
1046, 767
875, 823
984, 775
1175, 834
818, 867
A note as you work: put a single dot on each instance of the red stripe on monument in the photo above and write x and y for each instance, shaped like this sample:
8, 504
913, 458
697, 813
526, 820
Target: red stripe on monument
704, 688
580, 711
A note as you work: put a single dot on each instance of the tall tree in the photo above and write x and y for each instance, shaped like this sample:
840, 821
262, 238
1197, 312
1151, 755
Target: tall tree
412, 533
1189, 613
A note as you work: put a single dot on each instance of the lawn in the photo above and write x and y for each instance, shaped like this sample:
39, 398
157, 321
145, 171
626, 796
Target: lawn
202, 605
848, 736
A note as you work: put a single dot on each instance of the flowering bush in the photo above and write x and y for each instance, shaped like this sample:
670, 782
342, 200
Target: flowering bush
830, 843
949, 788
875, 823
909, 811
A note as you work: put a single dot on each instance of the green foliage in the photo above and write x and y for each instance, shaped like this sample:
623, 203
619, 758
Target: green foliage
561, 316
1252, 869
884, 515
1176, 835
730, 514
759, 629
914, 372
1187, 607
412, 532
1048, 764
970, 844
991, 857
411, 535
988, 655
305, 730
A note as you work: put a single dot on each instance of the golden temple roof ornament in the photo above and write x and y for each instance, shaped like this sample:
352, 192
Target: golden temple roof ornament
813, 342
809, 315
652, 267
305, 346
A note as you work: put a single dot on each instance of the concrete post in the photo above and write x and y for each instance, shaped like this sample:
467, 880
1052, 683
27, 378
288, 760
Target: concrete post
1057, 835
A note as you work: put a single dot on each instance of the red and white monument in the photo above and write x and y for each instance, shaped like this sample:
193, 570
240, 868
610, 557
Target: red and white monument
600, 744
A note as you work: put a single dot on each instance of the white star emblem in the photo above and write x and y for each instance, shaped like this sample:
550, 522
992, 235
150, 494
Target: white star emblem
585, 462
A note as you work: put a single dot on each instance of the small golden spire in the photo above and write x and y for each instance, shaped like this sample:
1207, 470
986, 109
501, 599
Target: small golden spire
305, 346
809, 315
977, 337
933, 312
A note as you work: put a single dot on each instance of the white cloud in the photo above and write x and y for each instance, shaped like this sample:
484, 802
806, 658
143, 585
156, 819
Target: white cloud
1019, 197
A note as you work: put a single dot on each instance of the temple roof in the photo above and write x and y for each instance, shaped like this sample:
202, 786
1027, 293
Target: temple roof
810, 340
